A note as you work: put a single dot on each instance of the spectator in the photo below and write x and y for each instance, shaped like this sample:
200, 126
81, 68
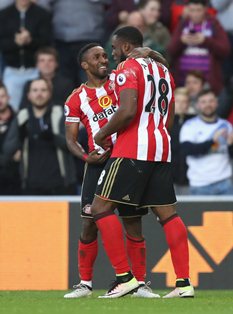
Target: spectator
224, 15
117, 13
165, 17
3, 4
206, 140
9, 170
47, 65
199, 43
194, 83
155, 34
29, 29
134, 19
179, 165
77, 23
179, 10
47, 166
146, 19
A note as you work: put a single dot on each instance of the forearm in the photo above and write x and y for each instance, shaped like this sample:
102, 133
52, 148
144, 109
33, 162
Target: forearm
119, 121
72, 131
158, 57
76, 149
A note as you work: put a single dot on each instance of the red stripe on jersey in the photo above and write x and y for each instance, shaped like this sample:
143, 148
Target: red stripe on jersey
161, 125
151, 128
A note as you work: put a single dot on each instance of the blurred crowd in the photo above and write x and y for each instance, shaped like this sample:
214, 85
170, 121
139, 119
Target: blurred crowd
39, 44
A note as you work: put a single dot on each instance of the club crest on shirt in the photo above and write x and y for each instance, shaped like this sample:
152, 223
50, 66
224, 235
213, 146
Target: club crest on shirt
105, 101
121, 79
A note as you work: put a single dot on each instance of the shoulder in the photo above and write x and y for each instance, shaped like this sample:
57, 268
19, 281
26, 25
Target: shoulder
74, 96
127, 69
127, 64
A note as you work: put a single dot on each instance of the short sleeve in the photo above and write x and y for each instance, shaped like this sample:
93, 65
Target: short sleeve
127, 76
72, 109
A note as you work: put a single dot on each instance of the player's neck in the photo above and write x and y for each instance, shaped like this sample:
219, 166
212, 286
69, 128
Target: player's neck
95, 83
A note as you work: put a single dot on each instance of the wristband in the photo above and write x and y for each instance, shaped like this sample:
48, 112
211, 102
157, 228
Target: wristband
84, 157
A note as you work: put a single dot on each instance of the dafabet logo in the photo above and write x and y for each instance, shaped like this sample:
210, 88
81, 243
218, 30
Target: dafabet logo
214, 237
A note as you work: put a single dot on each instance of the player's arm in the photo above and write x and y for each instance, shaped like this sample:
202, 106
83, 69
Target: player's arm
72, 130
144, 52
170, 121
121, 118
171, 113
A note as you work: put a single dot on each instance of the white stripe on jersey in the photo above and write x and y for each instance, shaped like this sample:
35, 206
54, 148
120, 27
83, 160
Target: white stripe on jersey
102, 92
144, 118
142, 128
87, 110
169, 96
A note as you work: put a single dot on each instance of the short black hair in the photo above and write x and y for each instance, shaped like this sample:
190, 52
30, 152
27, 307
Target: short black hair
202, 2
130, 34
84, 49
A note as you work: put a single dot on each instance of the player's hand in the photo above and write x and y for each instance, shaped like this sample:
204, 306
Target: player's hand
101, 140
95, 158
144, 52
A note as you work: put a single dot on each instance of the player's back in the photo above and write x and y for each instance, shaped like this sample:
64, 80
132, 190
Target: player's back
147, 133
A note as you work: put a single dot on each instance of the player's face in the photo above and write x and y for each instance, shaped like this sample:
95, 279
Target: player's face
4, 99
97, 62
207, 105
39, 93
117, 50
46, 64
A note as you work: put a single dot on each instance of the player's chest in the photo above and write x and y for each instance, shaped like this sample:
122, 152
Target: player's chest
99, 105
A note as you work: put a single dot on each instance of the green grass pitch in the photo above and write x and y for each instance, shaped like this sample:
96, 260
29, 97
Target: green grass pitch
52, 302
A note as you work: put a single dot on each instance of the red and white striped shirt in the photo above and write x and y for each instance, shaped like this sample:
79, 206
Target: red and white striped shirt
146, 137
93, 107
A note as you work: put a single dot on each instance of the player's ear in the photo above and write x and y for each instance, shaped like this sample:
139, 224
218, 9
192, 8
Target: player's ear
127, 48
84, 65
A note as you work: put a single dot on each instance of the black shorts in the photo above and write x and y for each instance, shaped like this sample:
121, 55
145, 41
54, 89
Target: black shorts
91, 177
137, 182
